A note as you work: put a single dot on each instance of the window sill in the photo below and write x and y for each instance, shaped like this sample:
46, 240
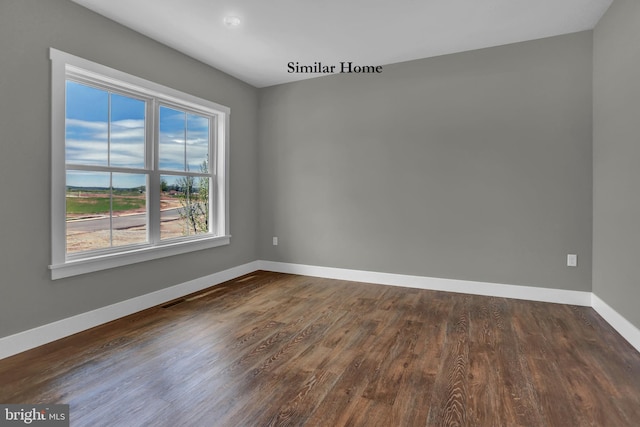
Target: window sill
103, 262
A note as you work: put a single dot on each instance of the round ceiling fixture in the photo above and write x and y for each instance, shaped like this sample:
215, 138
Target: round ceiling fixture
231, 21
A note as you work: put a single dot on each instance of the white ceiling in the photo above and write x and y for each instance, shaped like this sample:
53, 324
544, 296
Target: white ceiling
366, 32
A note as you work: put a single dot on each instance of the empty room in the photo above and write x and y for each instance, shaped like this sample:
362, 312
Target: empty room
320, 213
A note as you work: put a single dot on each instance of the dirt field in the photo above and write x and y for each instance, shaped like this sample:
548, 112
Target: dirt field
83, 241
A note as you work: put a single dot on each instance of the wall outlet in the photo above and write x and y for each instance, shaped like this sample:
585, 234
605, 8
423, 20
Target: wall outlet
275, 241
572, 260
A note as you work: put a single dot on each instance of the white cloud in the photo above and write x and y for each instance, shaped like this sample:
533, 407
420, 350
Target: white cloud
84, 124
87, 144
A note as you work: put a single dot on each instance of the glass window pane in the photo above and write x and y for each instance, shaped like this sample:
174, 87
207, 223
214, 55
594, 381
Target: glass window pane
184, 202
172, 125
197, 143
127, 132
128, 207
88, 208
86, 133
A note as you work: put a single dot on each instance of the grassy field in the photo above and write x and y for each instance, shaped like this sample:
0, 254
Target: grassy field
99, 203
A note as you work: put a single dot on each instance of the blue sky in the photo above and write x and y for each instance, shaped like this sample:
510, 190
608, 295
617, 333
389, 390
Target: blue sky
92, 139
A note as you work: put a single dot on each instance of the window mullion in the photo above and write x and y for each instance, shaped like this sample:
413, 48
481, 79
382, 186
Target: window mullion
110, 173
186, 123
214, 217
109, 130
153, 193
110, 210
96, 168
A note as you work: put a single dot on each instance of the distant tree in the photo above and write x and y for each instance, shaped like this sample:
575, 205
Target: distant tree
194, 198
163, 185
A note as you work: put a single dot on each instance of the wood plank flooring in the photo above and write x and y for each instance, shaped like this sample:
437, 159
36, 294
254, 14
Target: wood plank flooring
272, 349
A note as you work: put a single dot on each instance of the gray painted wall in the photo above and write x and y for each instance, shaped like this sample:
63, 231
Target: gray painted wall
616, 159
28, 298
473, 166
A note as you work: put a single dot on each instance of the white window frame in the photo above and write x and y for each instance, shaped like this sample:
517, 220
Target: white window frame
64, 66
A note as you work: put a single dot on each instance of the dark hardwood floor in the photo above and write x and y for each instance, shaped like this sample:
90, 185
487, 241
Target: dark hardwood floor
275, 349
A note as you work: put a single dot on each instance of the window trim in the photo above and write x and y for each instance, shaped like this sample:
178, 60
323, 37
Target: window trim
62, 265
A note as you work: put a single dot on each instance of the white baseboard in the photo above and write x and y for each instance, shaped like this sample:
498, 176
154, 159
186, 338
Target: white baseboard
22, 341
530, 293
35, 337
560, 296
617, 321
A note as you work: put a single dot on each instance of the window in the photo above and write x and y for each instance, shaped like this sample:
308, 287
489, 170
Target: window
139, 170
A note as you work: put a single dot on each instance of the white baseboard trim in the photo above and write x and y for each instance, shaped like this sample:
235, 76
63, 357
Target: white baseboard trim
617, 321
530, 293
22, 341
